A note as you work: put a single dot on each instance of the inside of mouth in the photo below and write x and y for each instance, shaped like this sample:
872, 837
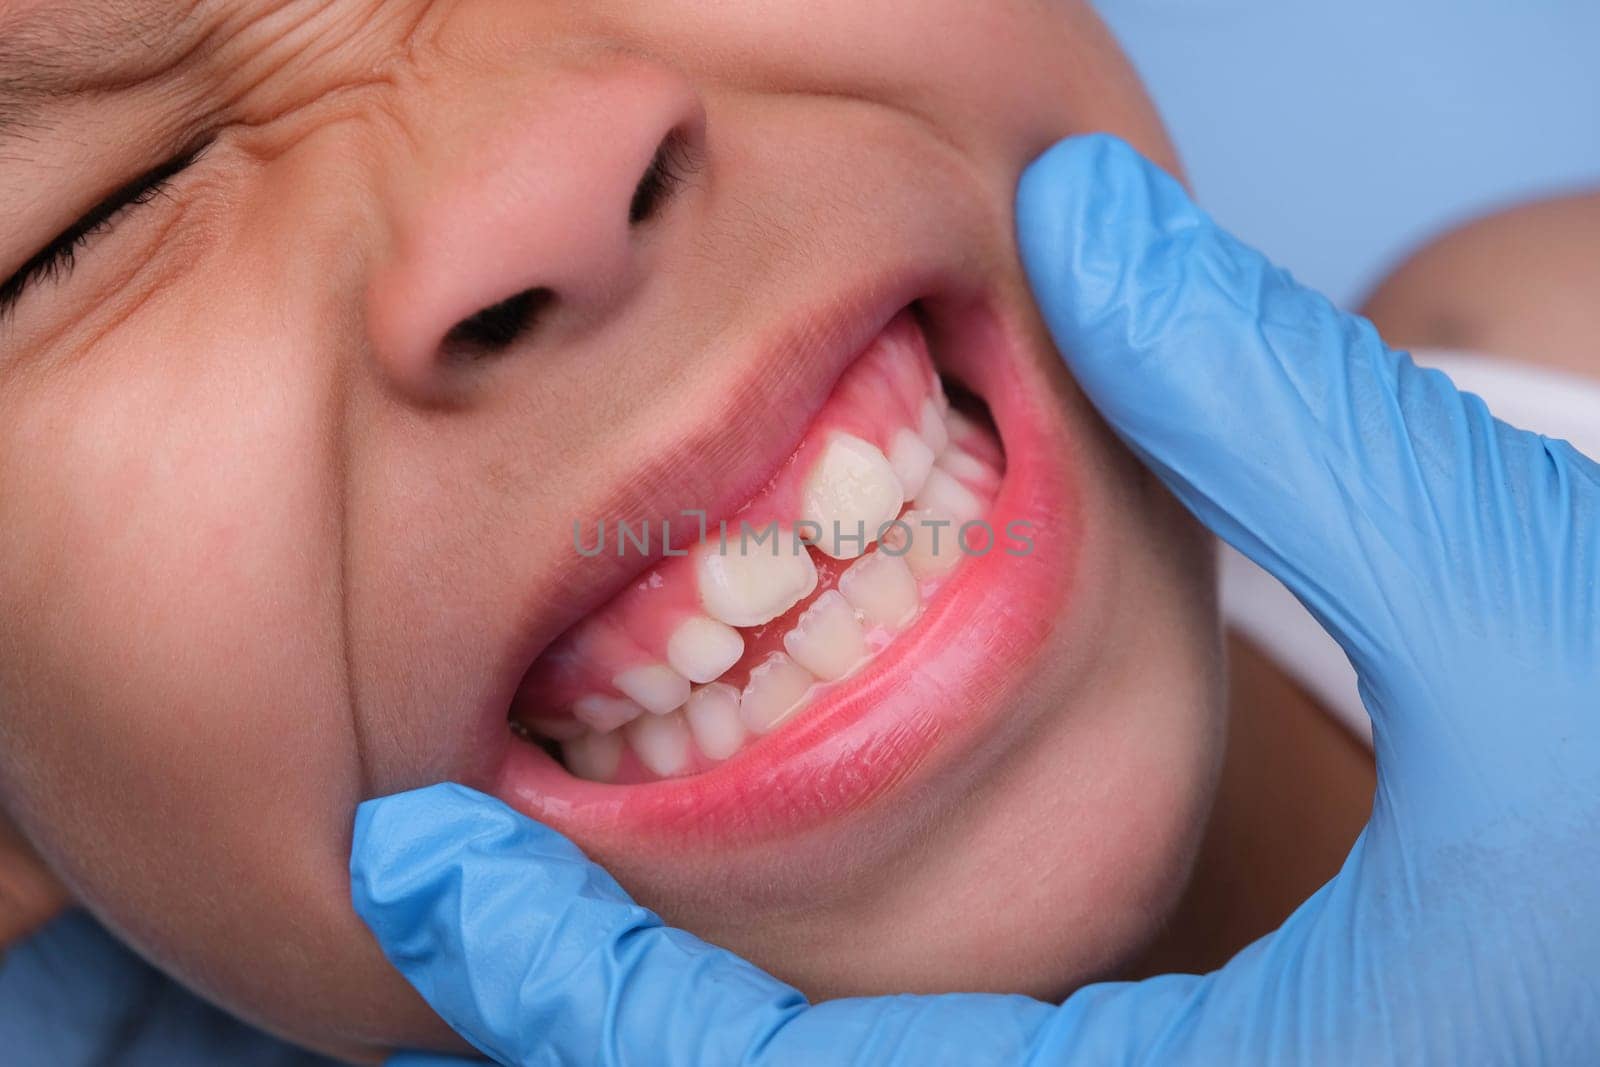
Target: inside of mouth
778, 607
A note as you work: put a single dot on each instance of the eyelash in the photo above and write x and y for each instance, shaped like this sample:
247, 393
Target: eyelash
57, 259
668, 172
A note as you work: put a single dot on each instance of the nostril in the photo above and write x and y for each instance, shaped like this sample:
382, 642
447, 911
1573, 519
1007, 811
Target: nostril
495, 328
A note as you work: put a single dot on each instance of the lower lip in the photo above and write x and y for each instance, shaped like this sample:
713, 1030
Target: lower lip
928, 697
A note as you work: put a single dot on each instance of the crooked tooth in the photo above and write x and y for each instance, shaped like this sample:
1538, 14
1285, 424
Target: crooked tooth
911, 459
661, 742
944, 494
703, 649
932, 550
593, 756
933, 428
746, 584
713, 716
827, 640
852, 490
882, 588
655, 688
603, 713
776, 690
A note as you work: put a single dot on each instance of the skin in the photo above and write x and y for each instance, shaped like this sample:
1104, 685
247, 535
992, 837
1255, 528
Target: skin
261, 533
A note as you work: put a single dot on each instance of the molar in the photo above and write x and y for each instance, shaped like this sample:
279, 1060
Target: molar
852, 489
593, 756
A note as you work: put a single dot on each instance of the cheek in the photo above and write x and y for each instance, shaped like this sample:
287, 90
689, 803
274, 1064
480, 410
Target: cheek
177, 737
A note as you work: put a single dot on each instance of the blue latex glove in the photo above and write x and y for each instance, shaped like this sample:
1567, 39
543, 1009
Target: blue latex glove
1454, 558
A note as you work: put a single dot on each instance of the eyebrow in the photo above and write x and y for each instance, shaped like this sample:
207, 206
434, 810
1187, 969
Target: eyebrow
55, 50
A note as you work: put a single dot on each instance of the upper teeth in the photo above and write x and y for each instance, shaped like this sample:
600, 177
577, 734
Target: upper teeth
746, 584
851, 493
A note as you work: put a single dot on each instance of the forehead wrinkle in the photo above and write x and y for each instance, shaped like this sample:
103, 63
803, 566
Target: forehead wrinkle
63, 48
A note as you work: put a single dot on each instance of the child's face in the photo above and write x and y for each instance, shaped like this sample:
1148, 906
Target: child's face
285, 522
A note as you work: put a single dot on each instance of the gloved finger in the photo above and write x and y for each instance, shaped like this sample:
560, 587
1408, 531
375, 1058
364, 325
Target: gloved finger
1393, 505
429, 1059
535, 955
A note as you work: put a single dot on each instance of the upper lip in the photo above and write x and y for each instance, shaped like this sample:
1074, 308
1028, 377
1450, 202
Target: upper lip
780, 390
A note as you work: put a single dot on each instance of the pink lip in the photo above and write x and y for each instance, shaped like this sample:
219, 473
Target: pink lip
931, 695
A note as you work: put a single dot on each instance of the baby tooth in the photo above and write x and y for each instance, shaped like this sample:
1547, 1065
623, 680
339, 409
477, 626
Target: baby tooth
713, 714
934, 430
932, 549
655, 688
776, 689
964, 465
703, 649
744, 583
593, 756
604, 714
882, 588
911, 459
852, 491
828, 641
661, 742
943, 493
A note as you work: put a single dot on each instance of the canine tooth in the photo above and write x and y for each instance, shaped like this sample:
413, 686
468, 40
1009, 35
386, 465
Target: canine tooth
775, 691
827, 641
943, 493
605, 713
655, 688
932, 550
713, 715
593, 756
745, 584
661, 742
911, 459
964, 465
852, 490
702, 649
934, 430
882, 588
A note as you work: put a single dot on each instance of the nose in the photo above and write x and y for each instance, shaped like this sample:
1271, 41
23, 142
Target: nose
519, 200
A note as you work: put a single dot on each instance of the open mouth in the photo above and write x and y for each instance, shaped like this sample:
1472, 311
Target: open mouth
776, 608
815, 644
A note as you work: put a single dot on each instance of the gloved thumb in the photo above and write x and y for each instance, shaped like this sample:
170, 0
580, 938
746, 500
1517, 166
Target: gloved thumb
536, 955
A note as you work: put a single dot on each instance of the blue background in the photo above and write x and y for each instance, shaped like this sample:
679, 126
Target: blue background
1337, 135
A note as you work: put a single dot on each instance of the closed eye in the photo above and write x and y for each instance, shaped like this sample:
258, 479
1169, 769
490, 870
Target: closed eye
57, 259
667, 173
